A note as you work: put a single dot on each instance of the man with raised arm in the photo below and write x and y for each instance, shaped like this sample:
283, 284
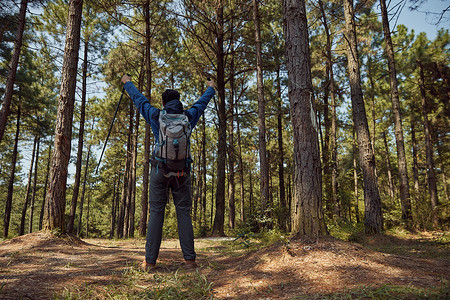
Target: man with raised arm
170, 166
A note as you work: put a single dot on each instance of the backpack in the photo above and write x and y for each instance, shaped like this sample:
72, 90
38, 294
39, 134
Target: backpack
173, 146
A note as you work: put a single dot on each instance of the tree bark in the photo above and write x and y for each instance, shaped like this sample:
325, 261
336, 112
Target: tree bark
27, 195
76, 186
306, 218
219, 218
145, 185
133, 176
129, 190
123, 201
231, 144
87, 216
83, 191
44, 197
405, 196
326, 159
197, 179
204, 169
389, 168
355, 178
432, 187
8, 204
333, 130
417, 194
264, 166
241, 168
373, 219
113, 208
440, 153
55, 212
9, 89
283, 208
33, 197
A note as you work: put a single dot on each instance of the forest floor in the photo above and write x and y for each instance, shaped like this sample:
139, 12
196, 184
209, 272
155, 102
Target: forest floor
43, 266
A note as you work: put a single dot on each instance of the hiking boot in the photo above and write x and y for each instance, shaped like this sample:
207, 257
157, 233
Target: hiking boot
145, 266
190, 264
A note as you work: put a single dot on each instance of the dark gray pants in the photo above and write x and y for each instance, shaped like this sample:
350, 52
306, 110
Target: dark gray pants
159, 192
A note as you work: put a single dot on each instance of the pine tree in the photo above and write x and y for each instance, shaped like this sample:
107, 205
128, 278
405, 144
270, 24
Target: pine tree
306, 206
55, 212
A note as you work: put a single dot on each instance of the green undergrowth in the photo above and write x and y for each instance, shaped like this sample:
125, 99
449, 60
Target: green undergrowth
243, 242
397, 241
135, 284
385, 292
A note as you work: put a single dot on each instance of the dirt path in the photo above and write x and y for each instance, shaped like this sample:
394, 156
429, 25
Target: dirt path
42, 266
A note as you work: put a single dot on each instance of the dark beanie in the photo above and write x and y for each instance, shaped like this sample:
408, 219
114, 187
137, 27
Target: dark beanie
170, 95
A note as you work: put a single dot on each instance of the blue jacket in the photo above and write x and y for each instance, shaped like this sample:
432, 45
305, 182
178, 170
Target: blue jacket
151, 114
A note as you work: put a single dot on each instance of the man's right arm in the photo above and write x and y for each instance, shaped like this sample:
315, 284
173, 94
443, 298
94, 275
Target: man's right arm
141, 102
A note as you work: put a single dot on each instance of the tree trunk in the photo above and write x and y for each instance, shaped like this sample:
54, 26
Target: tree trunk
204, 169
133, 176
197, 179
333, 131
396, 109
87, 216
123, 201
27, 195
8, 204
306, 213
373, 219
129, 190
83, 191
250, 198
389, 168
440, 153
33, 197
373, 107
326, 161
113, 208
264, 166
355, 178
145, 185
55, 212
417, 194
213, 179
283, 209
231, 153
432, 187
76, 186
241, 168
41, 217
9, 89
219, 218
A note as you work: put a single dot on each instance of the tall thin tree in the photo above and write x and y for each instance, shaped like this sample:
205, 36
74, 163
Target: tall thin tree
373, 219
8, 205
27, 194
432, 187
145, 180
33, 197
306, 214
83, 192
56, 200
219, 218
9, 89
405, 196
76, 186
263, 161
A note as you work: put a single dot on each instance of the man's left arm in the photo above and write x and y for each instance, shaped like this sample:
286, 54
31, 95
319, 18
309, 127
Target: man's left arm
200, 105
